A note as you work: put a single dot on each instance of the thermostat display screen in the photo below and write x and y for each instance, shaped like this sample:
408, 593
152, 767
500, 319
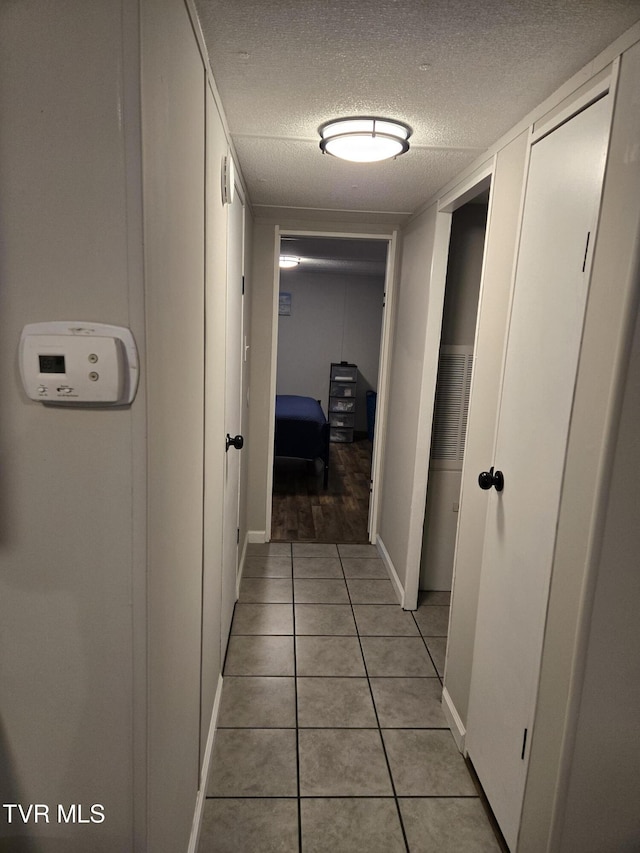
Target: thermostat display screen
52, 364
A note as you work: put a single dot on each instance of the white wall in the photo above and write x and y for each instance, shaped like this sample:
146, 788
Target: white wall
333, 318
72, 482
263, 350
464, 269
406, 442
174, 179
186, 227
103, 593
440, 528
606, 751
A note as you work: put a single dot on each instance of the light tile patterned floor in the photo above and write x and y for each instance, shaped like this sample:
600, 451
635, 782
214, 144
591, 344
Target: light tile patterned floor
331, 736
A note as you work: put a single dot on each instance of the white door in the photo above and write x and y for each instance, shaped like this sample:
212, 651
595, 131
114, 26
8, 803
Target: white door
558, 229
233, 410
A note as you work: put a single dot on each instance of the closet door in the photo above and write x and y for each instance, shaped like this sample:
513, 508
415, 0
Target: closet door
558, 230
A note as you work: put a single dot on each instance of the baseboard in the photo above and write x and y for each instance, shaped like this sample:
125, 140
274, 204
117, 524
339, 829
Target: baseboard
393, 575
194, 839
257, 536
453, 718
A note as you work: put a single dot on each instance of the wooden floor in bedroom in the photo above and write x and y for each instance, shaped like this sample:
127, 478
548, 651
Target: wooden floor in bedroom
305, 512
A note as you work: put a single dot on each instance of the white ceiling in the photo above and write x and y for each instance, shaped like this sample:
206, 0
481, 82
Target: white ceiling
459, 72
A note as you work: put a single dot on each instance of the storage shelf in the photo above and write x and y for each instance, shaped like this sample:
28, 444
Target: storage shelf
343, 380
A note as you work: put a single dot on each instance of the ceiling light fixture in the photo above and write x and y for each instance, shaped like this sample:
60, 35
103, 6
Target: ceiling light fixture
287, 262
364, 139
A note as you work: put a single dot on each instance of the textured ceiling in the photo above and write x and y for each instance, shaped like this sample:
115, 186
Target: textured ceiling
459, 72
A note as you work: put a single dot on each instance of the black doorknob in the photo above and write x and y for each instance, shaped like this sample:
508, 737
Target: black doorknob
237, 442
488, 479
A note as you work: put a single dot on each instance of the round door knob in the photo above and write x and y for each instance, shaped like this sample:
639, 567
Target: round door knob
489, 479
485, 480
237, 442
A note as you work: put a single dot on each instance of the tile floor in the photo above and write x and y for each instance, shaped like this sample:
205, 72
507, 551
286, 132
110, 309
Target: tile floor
331, 736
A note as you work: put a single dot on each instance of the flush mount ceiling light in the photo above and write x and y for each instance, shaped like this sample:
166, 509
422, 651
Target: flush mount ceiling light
365, 139
287, 262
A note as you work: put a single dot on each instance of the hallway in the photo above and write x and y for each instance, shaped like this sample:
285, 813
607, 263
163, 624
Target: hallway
331, 735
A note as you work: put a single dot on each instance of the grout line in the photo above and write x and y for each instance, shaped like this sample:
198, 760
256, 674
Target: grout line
256, 728
375, 711
424, 640
344, 797
295, 688
340, 728
226, 651
376, 728
413, 677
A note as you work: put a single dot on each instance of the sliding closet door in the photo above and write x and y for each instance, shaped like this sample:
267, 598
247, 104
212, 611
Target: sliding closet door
558, 233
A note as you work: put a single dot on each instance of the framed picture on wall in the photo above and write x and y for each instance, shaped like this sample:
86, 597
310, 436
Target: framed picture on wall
284, 308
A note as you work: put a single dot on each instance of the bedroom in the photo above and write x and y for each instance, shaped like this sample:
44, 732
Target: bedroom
331, 310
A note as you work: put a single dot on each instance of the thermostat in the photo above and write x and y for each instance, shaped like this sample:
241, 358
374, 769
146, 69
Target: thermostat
81, 363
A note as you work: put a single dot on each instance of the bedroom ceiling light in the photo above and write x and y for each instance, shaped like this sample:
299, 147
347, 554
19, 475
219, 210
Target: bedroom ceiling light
365, 139
287, 262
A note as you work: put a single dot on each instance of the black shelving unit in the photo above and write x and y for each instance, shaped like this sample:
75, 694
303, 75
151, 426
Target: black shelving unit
342, 401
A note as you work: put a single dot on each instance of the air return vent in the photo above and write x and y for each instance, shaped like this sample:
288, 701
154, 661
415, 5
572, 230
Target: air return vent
451, 407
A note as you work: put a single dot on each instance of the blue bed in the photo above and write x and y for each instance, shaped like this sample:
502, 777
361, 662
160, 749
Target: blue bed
302, 430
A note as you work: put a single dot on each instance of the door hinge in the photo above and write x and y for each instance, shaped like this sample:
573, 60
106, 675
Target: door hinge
586, 249
524, 743
238, 537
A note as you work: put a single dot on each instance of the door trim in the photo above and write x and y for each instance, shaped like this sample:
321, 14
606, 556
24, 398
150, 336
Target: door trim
272, 385
380, 432
465, 191
386, 343
593, 93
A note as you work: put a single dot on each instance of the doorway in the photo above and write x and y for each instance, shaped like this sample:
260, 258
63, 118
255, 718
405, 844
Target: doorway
453, 388
330, 331
478, 184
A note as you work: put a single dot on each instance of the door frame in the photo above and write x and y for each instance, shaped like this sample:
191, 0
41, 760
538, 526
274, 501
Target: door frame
240, 199
242, 462
386, 342
480, 179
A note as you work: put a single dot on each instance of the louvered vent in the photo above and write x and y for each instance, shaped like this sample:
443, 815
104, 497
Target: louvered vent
451, 407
